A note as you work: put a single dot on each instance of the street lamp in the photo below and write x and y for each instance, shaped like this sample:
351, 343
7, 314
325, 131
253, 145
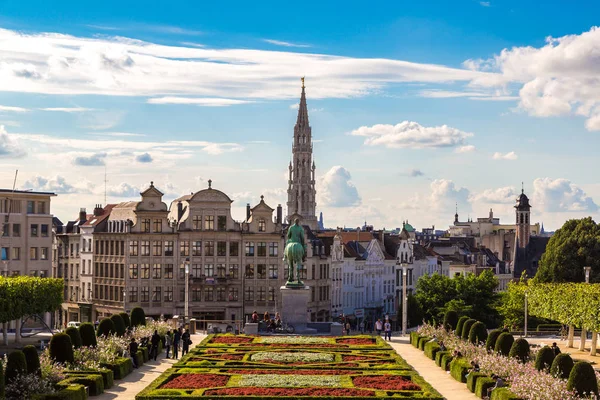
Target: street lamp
404, 299
587, 271
525, 314
187, 281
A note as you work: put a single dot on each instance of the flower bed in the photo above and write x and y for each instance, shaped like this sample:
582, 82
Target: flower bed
290, 381
197, 381
291, 371
357, 341
385, 382
302, 357
231, 339
291, 392
303, 340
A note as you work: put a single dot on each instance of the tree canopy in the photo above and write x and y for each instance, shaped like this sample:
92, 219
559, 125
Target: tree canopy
574, 246
26, 295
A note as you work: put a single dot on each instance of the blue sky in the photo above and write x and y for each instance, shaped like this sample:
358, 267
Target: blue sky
414, 106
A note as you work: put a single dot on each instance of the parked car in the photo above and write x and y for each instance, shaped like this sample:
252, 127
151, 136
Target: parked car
74, 324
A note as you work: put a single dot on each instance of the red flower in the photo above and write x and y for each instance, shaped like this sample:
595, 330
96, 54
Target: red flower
196, 381
289, 392
291, 372
231, 339
384, 382
361, 341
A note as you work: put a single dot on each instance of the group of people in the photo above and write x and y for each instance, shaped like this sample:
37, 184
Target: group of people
272, 324
176, 339
380, 326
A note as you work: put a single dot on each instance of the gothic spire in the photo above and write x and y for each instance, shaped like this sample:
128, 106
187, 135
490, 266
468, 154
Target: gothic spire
302, 120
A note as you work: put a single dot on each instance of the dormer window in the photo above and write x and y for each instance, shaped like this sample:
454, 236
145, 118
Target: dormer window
262, 225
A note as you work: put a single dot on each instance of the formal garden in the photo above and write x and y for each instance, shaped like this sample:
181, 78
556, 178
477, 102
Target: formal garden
349, 367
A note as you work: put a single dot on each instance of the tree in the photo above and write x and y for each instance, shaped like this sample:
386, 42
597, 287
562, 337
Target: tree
414, 312
574, 246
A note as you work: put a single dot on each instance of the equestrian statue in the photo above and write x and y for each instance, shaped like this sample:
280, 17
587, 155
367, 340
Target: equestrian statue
295, 253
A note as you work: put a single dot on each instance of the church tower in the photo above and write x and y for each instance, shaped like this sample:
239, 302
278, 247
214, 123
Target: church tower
523, 213
301, 182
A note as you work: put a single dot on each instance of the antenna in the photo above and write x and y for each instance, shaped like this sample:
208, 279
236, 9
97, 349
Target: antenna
105, 180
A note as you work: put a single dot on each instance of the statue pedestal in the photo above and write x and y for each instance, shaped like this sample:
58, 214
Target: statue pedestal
294, 308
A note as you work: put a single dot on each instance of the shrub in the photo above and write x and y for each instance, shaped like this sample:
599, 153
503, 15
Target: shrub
490, 343
422, 341
431, 348
504, 343
466, 328
32, 358
106, 327
94, 382
459, 368
582, 379
414, 339
544, 359
548, 327
561, 366
459, 325
503, 394
61, 348
107, 375
138, 317
450, 320
472, 380
520, 350
482, 386
120, 368
139, 358
67, 392
126, 320
119, 324
75, 336
88, 334
15, 366
446, 360
145, 353
439, 355
478, 333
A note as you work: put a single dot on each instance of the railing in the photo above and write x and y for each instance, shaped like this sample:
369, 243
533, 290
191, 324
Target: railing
208, 326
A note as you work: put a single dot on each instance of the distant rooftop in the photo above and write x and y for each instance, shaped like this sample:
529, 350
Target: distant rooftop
26, 192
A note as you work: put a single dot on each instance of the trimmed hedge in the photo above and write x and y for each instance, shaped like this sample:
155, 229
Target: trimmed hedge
139, 358
88, 335
544, 359
119, 324
548, 327
582, 379
446, 361
520, 350
466, 328
483, 384
504, 343
61, 348
94, 382
126, 319
472, 380
503, 394
145, 353
459, 369
16, 365
439, 355
138, 317
414, 339
450, 320
478, 333
459, 325
68, 392
431, 348
32, 358
422, 341
106, 327
562, 366
490, 343
107, 375
120, 368
75, 336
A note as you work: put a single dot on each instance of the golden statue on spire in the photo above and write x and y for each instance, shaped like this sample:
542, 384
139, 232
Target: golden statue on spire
302, 79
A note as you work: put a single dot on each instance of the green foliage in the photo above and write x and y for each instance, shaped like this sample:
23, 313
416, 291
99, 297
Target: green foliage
414, 339
75, 336
504, 343
544, 359
450, 320
2, 385
67, 391
520, 350
120, 368
87, 334
439, 355
106, 327
503, 394
561, 366
32, 358
61, 348
582, 379
459, 368
15, 365
414, 312
472, 380
138, 317
575, 245
107, 375
459, 325
446, 360
478, 333
25, 295
126, 320
467, 328
119, 324
422, 342
431, 348
548, 327
483, 384
490, 343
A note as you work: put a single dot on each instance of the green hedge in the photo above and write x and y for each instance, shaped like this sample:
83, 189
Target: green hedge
15, 365
75, 336
25, 295
145, 353
562, 366
33, 360
69, 392
88, 335
459, 325
2, 384
446, 361
439, 355
459, 369
126, 320
503, 394
472, 380
139, 358
61, 348
504, 343
483, 384
466, 328
431, 348
478, 333
450, 320
422, 341
138, 317
582, 379
120, 368
414, 339
119, 324
490, 343
548, 327
544, 358
107, 375
520, 350
94, 382
106, 327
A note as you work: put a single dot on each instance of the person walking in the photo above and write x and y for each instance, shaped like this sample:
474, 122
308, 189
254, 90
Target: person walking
362, 327
133, 348
347, 328
185, 342
168, 341
176, 340
155, 340
379, 327
387, 331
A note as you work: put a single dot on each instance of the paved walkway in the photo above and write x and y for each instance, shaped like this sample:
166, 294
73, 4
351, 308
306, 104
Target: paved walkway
438, 378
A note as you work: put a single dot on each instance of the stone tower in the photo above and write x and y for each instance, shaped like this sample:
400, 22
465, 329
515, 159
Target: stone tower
301, 182
523, 213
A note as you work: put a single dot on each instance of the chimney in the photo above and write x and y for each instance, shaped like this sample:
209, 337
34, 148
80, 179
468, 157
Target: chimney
82, 215
179, 211
247, 211
98, 210
279, 213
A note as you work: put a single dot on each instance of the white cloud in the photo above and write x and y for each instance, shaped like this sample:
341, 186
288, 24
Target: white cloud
285, 44
511, 155
485, 3
411, 135
465, 149
556, 195
67, 109
445, 195
203, 102
503, 195
56, 184
13, 109
335, 189
9, 146
124, 190
117, 134
93, 160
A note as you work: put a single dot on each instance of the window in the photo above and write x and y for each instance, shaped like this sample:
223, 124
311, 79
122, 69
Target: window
168, 271
209, 248
31, 207
144, 294
221, 249
262, 249
249, 294
249, 271
133, 271
5, 229
43, 253
169, 293
133, 248
197, 222
234, 249
44, 230
271, 294
157, 248
233, 294
146, 225
157, 225
5, 253
16, 253
145, 251
156, 294
261, 271
184, 248
262, 225
209, 269
209, 223
222, 222
156, 271
145, 271
250, 249
41, 207
196, 270
133, 295
209, 294
197, 248
168, 248
220, 294
272, 271
196, 294
261, 294
16, 230
234, 271
33, 253
273, 249
34, 230
221, 270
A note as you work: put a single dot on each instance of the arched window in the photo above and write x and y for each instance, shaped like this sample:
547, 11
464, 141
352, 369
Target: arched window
521, 218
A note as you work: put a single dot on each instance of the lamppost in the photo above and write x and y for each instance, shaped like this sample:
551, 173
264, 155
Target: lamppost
404, 299
587, 271
525, 333
187, 282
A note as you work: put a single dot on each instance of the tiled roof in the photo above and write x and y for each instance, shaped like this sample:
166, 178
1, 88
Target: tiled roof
95, 220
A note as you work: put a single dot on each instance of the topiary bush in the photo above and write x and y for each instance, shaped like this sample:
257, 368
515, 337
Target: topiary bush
439, 355
422, 342
490, 343
138, 317
446, 361
544, 359
582, 379
482, 385
504, 394
126, 319
520, 350
61, 348
32, 358
478, 333
106, 327
431, 348
15, 366
466, 328
450, 320
472, 380
561, 366
88, 335
119, 324
459, 367
504, 343
75, 336
459, 325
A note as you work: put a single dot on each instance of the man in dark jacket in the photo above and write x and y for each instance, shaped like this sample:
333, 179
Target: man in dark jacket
155, 340
185, 342
176, 340
133, 348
